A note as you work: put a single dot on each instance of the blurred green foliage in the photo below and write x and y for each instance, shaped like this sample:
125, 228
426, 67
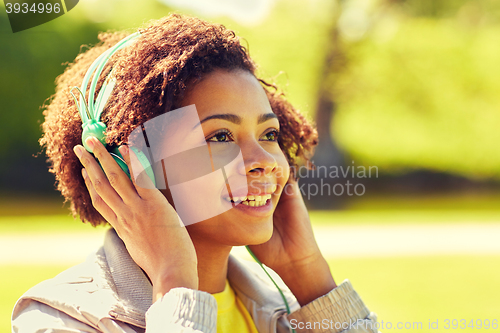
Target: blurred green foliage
421, 89
427, 97
31, 60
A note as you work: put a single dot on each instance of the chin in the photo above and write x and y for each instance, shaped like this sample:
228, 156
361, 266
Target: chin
233, 230
250, 232
255, 234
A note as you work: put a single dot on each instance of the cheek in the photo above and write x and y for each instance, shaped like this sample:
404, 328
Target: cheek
283, 169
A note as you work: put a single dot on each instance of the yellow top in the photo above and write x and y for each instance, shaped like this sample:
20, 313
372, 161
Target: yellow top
232, 316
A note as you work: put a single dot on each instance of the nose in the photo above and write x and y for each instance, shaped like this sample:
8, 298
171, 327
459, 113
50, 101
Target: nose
256, 160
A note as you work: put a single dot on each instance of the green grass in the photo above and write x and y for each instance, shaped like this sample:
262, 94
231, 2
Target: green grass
403, 289
419, 289
452, 201
15, 280
43, 224
63, 223
386, 217
21, 214
36, 215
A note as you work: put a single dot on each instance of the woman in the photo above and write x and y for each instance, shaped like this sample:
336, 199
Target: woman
163, 271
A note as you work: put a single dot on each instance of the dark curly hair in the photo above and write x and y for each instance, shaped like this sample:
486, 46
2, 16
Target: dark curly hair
153, 75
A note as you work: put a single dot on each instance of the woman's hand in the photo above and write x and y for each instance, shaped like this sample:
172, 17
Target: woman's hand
146, 222
292, 251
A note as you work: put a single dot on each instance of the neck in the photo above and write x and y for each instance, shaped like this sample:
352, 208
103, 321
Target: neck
212, 265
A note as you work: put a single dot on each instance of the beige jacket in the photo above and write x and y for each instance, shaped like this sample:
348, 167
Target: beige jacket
110, 293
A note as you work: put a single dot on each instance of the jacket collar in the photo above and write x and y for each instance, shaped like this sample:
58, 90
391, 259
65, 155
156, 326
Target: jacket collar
259, 294
250, 283
131, 287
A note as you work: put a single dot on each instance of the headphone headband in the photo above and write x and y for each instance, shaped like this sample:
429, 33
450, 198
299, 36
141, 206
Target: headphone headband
90, 112
93, 109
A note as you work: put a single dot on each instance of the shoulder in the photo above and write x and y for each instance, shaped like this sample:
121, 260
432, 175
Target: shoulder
75, 293
39, 317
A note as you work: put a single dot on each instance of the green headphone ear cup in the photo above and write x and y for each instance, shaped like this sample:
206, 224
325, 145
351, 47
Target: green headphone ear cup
96, 129
145, 164
117, 156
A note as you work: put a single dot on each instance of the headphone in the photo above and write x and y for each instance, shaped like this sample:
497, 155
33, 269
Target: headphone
90, 112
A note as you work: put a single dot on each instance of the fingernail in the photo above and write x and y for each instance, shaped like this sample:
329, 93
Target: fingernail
90, 142
78, 151
123, 150
84, 173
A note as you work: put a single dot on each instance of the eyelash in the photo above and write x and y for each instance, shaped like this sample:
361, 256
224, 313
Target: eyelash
219, 132
276, 134
230, 135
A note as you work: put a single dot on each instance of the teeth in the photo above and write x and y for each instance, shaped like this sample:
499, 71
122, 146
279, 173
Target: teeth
236, 199
251, 200
255, 203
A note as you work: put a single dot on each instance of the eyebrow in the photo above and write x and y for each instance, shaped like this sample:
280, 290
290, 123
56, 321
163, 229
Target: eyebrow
237, 119
265, 117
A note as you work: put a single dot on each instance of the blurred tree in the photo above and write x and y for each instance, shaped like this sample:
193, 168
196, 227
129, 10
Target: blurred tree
31, 60
334, 62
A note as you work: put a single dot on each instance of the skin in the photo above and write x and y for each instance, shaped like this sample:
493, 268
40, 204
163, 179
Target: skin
196, 256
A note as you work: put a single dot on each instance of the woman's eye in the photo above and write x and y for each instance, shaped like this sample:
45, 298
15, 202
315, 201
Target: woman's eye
271, 136
220, 137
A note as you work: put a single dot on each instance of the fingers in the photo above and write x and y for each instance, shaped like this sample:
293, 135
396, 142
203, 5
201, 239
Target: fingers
98, 179
112, 192
97, 201
116, 177
143, 184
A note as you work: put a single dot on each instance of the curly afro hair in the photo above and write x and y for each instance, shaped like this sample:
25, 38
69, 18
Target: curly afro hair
153, 74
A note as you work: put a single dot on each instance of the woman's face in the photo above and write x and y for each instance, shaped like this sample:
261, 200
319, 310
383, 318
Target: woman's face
241, 132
